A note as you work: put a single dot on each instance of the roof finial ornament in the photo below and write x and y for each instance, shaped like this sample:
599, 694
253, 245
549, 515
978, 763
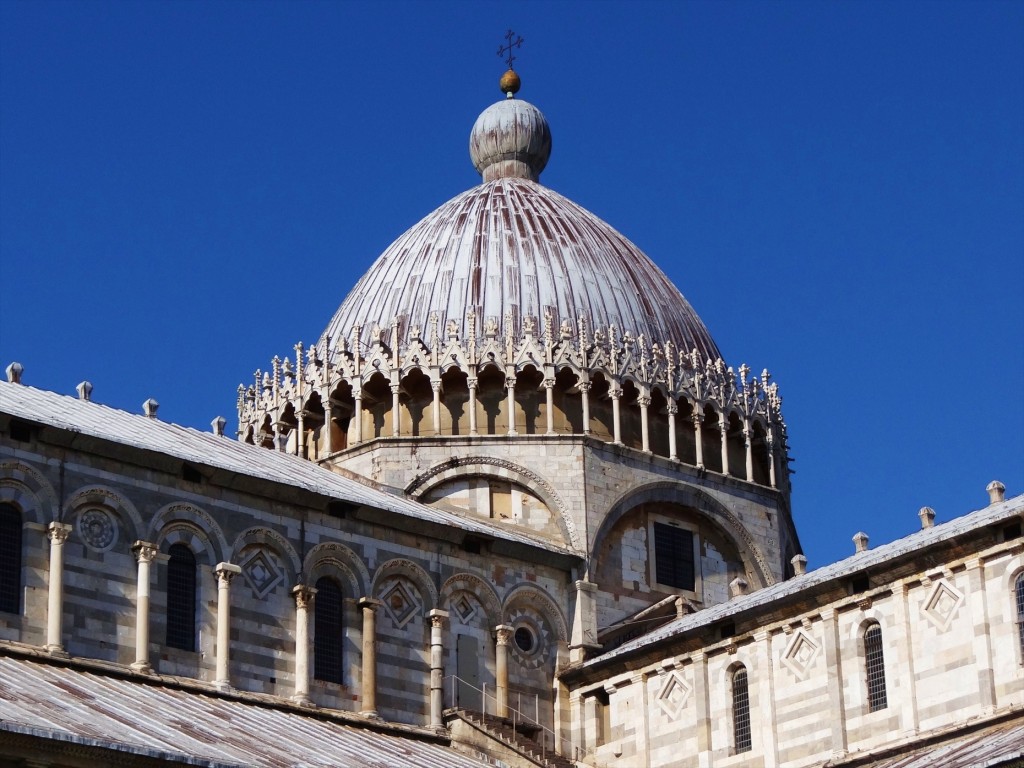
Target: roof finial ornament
510, 82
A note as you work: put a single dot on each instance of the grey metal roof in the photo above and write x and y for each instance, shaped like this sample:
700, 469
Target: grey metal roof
85, 707
997, 746
202, 448
513, 246
762, 599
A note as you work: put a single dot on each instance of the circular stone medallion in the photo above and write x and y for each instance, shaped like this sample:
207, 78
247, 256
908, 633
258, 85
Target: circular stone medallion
98, 529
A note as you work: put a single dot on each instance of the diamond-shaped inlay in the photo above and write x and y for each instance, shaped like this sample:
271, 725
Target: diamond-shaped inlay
261, 574
942, 604
464, 609
400, 604
800, 654
674, 695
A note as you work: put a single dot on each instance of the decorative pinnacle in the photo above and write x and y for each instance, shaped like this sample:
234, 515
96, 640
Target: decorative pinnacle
510, 82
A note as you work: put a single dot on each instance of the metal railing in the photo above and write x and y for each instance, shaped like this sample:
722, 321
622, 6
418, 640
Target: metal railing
515, 715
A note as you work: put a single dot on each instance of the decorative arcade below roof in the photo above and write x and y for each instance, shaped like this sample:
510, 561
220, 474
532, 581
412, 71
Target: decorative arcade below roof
606, 385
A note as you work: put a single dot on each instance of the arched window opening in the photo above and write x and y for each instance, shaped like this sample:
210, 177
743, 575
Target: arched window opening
181, 598
875, 666
327, 631
1020, 614
10, 559
741, 711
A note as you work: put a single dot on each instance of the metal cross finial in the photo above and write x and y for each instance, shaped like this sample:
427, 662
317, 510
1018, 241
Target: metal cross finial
508, 48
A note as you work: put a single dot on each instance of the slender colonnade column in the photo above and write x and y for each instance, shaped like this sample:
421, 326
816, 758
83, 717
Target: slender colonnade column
145, 552
369, 607
673, 449
510, 385
471, 382
303, 602
225, 573
58, 534
437, 620
504, 634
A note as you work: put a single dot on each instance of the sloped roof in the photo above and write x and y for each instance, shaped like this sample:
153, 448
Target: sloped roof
763, 599
89, 709
207, 449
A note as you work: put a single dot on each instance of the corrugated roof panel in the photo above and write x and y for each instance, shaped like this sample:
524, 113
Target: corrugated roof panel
145, 718
207, 449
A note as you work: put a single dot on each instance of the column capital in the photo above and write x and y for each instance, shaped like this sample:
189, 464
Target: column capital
304, 595
369, 603
58, 532
437, 617
504, 633
583, 386
471, 382
697, 417
144, 551
643, 401
436, 385
672, 407
226, 572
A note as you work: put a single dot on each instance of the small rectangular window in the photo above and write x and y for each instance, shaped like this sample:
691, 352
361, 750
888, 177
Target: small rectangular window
673, 557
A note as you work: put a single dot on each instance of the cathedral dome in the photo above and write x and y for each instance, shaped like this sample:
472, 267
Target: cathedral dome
514, 251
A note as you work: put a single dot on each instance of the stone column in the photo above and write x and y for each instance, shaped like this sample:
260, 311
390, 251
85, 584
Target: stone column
766, 698
396, 414
225, 573
723, 423
303, 602
702, 703
504, 634
437, 620
369, 607
357, 414
771, 458
750, 453
549, 392
328, 427
616, 393
905, 660
645, 431
673, 449
982, 640
300, 433
58, 534
144, 552
471, 381
436, 387
697, 419
584, 624
510, 385
837, 707
585, 392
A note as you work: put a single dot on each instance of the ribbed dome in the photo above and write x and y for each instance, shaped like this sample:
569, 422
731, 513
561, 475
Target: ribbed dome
513, 246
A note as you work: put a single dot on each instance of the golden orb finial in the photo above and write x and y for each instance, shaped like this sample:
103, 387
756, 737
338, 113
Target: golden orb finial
510, 83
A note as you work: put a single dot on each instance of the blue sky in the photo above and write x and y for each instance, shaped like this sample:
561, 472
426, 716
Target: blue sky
187, 189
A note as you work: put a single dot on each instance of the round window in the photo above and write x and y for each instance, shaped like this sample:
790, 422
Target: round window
525, 640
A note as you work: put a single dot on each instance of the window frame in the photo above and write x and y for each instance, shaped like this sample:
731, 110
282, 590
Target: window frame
328, 640
874, 667
1018, 589
11, 588
742, 734
176, 594
652, 555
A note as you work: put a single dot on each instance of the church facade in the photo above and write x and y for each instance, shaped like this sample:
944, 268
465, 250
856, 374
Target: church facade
511, 507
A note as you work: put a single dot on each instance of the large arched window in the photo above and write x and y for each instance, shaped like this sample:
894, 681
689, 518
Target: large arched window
874, 664
740, 710
181, 598
10, 559
1020, 613
327, 626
